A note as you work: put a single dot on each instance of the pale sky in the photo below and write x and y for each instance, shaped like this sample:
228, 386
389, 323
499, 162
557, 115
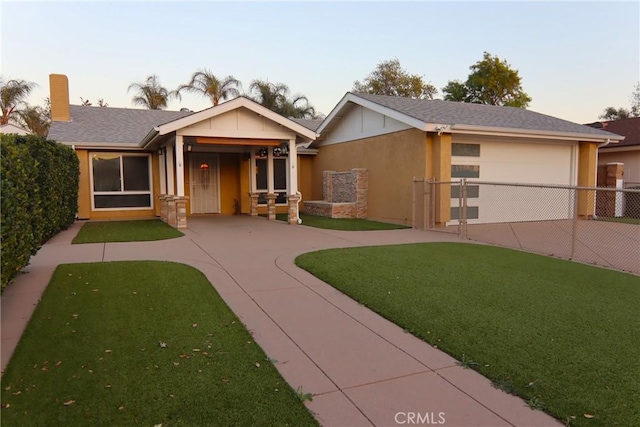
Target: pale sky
575, 58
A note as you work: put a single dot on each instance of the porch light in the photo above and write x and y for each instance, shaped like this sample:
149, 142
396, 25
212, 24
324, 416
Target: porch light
282, 150
263, 152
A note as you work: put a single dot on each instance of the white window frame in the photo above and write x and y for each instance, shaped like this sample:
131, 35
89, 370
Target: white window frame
122, 191
275, 190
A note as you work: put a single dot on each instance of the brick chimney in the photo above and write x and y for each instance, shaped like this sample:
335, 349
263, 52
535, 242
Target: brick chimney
59, 87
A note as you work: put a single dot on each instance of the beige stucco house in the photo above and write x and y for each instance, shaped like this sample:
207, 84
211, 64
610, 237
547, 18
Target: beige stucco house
237, 157
398, 139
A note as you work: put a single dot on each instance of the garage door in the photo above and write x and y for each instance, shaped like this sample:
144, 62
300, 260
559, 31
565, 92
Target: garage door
513, 162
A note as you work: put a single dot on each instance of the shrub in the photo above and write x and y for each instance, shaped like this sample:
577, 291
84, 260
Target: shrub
39, 197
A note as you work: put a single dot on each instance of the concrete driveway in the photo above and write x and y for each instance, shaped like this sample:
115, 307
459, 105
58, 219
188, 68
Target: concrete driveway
362, 369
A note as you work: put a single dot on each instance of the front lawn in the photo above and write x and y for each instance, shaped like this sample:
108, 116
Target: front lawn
141, 343
564, 336
125, 231
345, 224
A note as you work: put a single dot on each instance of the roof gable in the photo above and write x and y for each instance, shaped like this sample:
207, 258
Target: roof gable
438, 115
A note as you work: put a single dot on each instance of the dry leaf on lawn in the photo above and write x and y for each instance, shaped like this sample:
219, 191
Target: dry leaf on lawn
589, 416
69, 402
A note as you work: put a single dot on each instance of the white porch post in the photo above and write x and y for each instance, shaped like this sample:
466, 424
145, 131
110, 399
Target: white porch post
163, 172
252, 172
270, 184
293, 167
170, 169
179, 165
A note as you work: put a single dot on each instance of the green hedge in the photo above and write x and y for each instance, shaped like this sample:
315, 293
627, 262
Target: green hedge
39, 197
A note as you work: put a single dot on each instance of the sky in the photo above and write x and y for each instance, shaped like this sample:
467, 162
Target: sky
574, 58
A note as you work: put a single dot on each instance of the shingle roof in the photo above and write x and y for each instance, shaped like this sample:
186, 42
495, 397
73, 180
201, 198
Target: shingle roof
110, 125
630, 128
312, 124
450, 113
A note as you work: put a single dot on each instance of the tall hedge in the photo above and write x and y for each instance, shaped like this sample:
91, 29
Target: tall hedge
39, 197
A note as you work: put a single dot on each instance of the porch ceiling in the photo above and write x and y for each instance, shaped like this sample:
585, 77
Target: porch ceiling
237, 141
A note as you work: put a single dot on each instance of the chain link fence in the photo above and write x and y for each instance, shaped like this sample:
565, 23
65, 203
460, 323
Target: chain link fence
594, 225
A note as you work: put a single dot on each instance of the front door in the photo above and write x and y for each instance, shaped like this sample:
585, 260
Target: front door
204, 183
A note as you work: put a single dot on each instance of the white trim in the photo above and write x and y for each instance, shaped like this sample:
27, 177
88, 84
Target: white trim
93, 193
270, 170
236, 134
229, 106
171, 190
162, 171
292, 167
179, 151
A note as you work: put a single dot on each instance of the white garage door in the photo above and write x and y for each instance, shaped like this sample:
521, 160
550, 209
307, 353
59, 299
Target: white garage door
514, 162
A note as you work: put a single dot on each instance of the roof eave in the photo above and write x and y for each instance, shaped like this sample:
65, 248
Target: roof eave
534, 133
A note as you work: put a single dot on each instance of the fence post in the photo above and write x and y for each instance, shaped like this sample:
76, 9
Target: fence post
574, 230
463, 195
426, 201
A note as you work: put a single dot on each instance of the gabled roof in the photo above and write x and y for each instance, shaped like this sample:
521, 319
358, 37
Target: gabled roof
458, 117
109, 125
239, 102
630, 128
312, 124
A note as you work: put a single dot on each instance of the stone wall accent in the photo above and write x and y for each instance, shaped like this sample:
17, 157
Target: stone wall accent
163, 207
344, 194
172, 218
293, 201
606, 201
181, 212
271, 206
254, 203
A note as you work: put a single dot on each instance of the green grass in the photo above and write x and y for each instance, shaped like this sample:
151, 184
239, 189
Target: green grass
564, 336
94, 342
622, 219
125, 231
344, 224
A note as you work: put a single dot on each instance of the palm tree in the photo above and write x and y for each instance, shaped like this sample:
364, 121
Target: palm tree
12, 95
275, 96
150, 94
36, 119
206, 83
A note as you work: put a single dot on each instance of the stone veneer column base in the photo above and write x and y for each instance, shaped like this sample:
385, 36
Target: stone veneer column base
271, 206
163, 207
172, 218
254, 203
181, 212
293, 216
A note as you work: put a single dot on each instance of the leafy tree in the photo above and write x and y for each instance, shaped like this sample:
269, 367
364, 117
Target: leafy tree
276, 97
611, 113
150, 94
492, 81
36, 119
204, 82
389, 78
12, 96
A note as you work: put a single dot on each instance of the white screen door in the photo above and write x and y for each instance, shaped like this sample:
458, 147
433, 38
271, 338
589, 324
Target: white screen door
204, 183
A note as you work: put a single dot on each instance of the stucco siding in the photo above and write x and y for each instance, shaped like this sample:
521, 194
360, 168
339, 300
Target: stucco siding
631, 160
361, 123
305, 177
393, 160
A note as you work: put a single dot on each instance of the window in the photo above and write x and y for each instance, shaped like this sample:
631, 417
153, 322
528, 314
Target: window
467, 150
472, 212
465, 171
279, 180
121, 181
473, 191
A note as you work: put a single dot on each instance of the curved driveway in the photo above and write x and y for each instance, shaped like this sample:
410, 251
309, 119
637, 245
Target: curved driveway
362, 369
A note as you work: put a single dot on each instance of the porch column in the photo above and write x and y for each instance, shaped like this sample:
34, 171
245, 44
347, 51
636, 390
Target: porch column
293, 199
180, 165
270, 183
293, 167
170, 168
163, 171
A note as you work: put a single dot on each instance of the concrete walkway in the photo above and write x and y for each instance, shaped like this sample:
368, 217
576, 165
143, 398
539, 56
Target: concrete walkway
362, 369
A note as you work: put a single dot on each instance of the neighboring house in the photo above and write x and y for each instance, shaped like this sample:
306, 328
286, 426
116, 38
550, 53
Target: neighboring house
627, 151
399, 139
9, 128
237, 157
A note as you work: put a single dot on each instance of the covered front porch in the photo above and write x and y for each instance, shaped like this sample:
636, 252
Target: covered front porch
235, 158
